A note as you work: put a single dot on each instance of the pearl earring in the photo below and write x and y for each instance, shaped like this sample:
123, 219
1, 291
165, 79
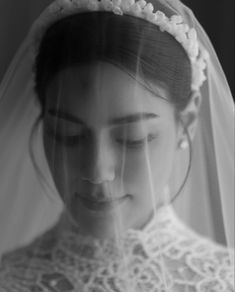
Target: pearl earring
183, 144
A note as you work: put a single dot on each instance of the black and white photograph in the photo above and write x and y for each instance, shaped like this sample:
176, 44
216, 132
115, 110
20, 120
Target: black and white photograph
117, 146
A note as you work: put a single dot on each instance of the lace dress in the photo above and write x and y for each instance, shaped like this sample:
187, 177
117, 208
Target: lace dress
165, 256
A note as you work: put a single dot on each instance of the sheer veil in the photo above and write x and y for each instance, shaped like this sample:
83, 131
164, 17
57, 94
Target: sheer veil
29, 206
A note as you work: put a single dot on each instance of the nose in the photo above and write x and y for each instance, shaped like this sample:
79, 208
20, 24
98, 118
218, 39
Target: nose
98, 162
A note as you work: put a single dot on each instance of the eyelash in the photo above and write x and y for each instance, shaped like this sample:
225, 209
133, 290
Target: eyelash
68, 140
137, 143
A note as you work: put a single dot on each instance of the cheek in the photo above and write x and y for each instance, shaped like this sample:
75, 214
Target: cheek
58, 161
150, 169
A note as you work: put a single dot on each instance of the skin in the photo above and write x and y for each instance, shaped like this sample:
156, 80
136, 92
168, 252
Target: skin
113, 156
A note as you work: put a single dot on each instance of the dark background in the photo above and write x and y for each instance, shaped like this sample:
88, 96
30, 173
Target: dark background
216, 16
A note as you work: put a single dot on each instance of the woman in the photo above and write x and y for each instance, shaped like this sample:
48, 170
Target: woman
117, 93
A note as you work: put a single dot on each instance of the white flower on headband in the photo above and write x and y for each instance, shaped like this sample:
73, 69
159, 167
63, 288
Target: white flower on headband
174, 25
93, 5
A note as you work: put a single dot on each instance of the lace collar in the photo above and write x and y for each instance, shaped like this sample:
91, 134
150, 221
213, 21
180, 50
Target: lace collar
152, 238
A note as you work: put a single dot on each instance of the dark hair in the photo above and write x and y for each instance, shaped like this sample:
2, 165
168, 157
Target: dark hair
132, 43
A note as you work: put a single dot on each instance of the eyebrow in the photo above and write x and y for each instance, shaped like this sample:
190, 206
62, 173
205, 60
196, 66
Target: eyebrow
132, 118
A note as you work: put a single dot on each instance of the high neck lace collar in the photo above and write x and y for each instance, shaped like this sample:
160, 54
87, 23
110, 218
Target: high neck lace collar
154, 235
164, 256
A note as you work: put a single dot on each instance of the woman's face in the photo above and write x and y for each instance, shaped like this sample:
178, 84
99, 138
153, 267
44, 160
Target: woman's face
110, 146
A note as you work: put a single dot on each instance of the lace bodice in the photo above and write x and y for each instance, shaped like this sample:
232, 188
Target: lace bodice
165, 256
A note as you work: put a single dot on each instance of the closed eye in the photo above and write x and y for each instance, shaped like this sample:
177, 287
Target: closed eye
136, 143
69, 140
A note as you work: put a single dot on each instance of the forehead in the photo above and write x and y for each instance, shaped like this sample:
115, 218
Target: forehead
102, 91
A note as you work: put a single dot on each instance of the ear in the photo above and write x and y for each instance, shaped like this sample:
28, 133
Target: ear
189, 117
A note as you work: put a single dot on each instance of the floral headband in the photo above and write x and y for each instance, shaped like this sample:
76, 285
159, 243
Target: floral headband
174, 25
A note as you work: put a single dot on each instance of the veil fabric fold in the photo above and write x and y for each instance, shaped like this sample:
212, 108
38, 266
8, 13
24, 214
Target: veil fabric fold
28, 206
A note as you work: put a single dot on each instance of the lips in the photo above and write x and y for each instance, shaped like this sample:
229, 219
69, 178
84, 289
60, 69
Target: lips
98, 197
100, 205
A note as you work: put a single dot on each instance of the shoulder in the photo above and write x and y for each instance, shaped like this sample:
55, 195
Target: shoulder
214, 264
23, 268
205, 264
